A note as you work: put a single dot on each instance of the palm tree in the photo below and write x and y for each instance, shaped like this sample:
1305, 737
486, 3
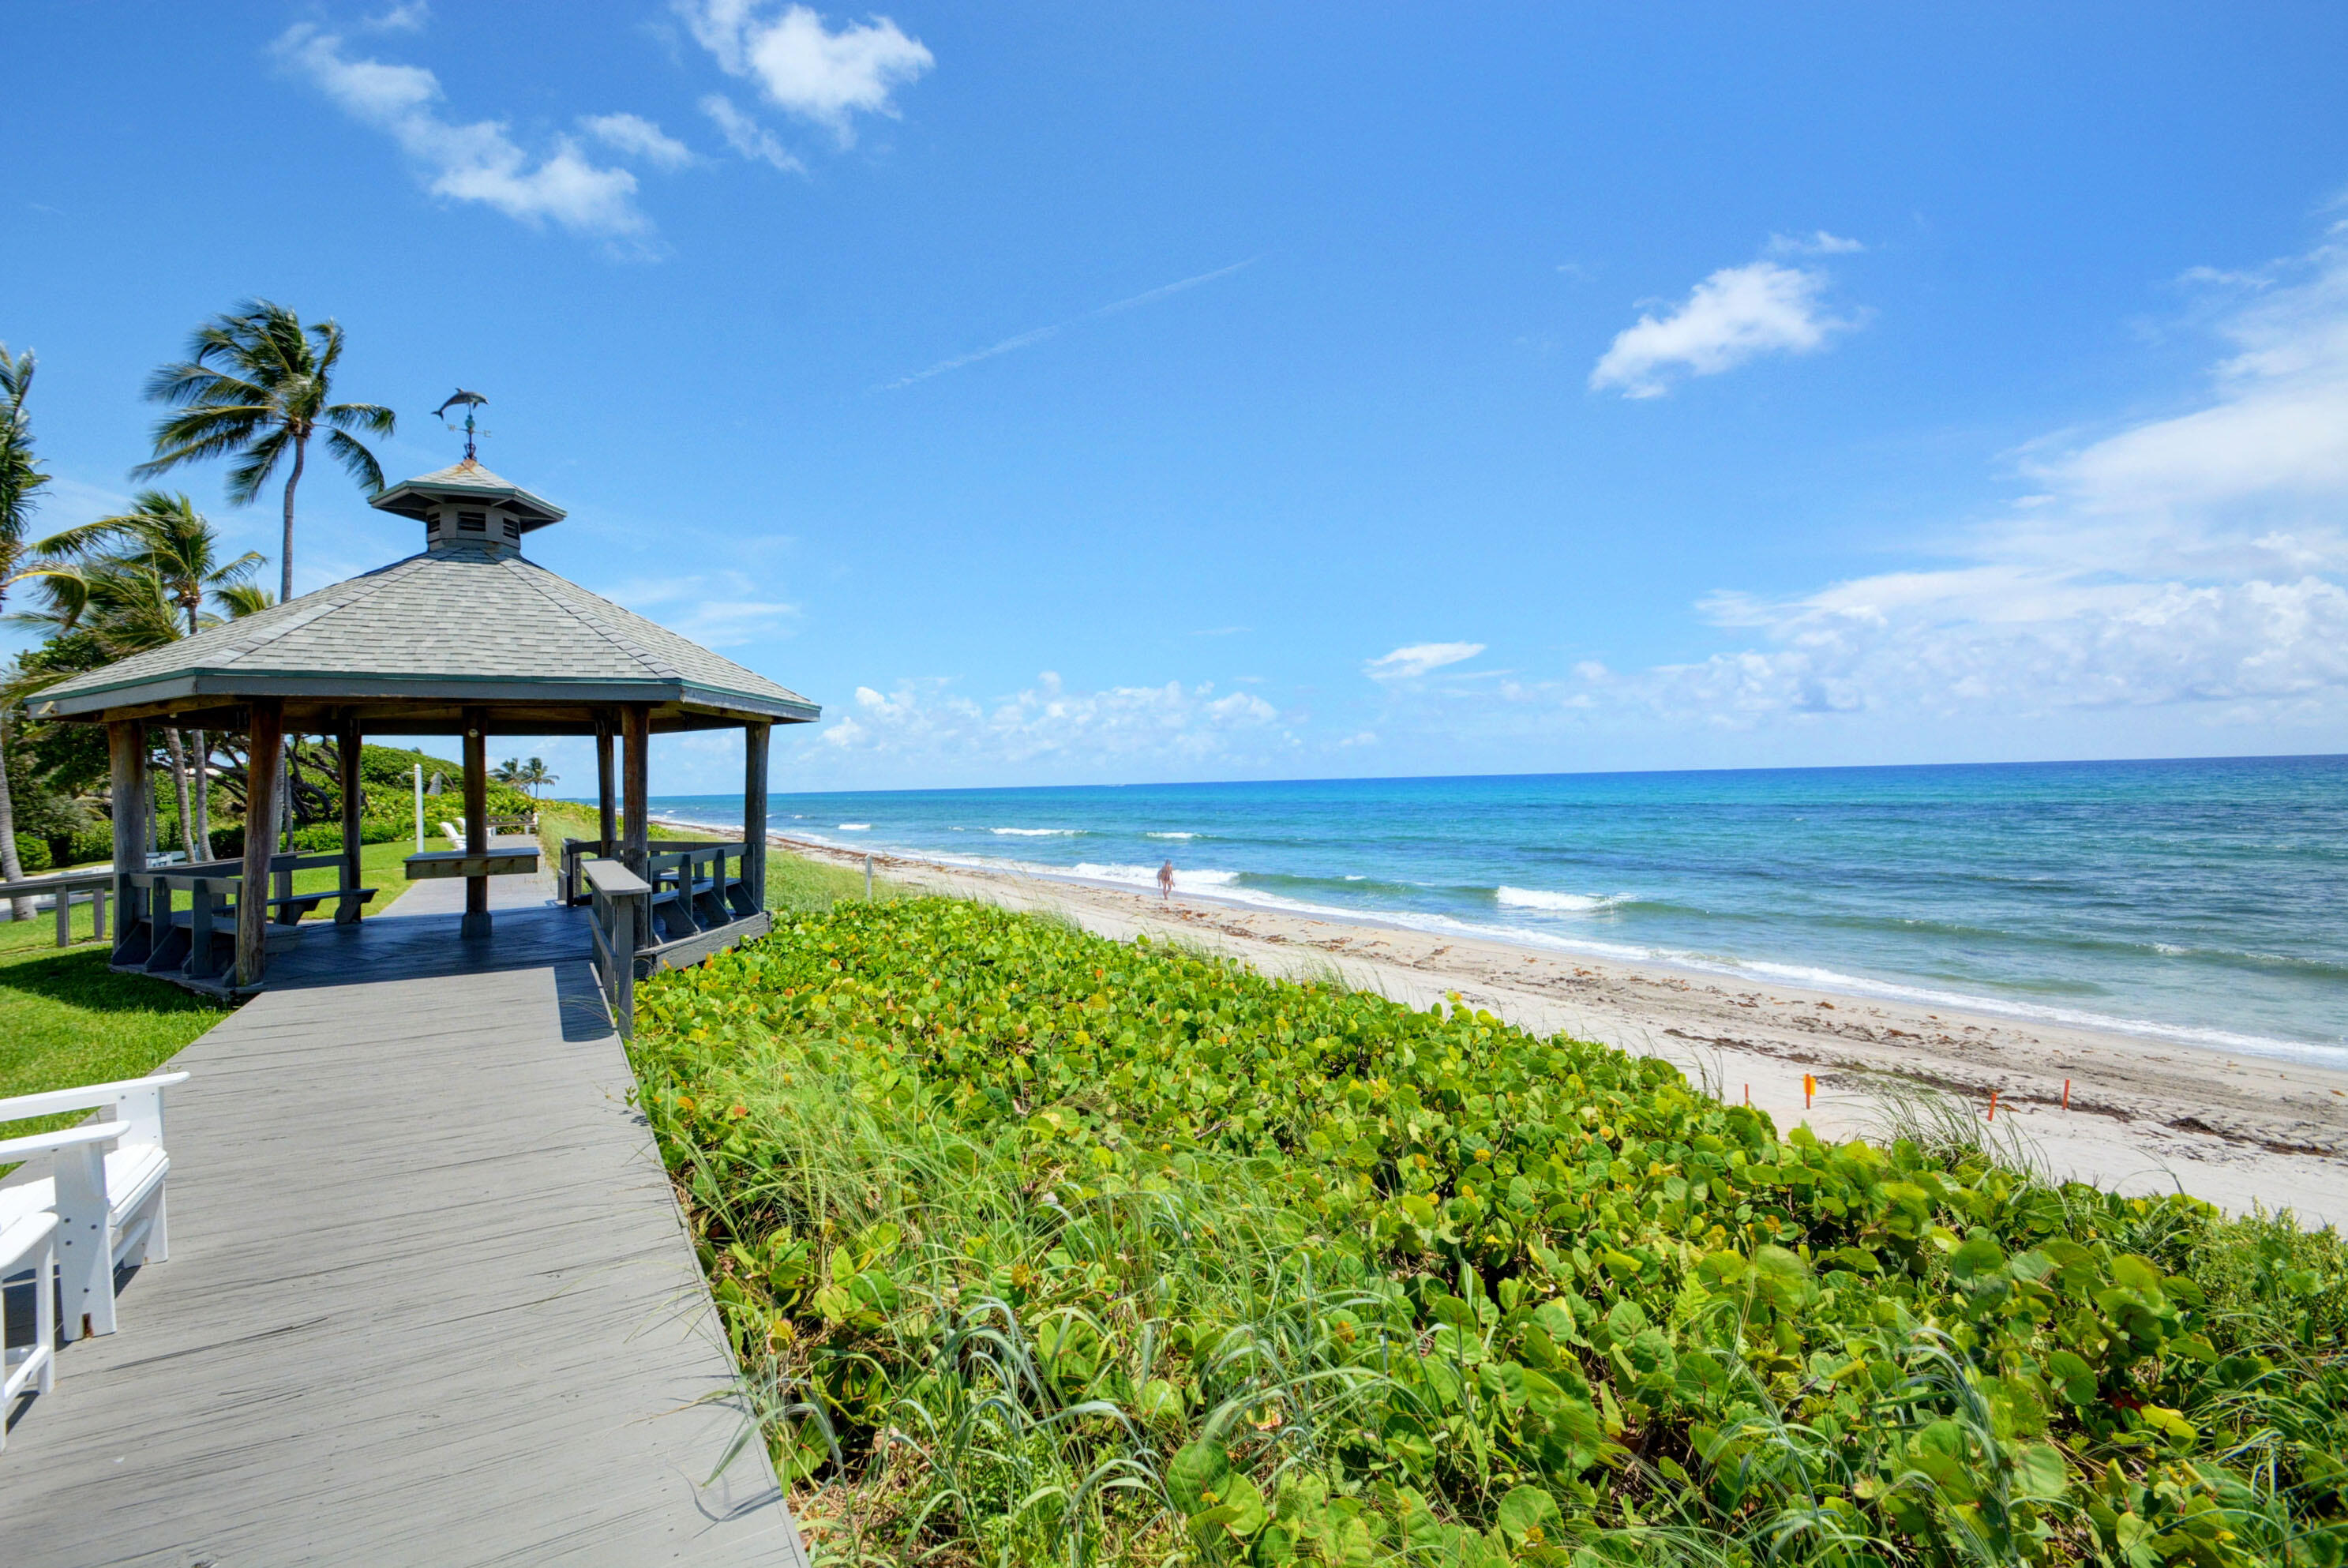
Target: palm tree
533, 777
124, 605
21, 479
256, 387
245, 599
167, 536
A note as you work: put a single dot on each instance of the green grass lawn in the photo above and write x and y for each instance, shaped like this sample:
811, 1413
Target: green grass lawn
67, 1019
381, 868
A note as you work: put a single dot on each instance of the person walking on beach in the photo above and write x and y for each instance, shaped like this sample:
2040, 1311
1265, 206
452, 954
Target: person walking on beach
1165, 881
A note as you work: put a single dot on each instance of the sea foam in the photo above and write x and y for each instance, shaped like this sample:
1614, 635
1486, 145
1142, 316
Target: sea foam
1146, 876
1563, 902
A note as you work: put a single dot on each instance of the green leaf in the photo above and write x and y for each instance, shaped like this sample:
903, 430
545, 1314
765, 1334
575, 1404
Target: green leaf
2075, 1376
1242, 1511
2039, 1472
1524, 1510
1196, 1477
1159, 1401
1977, 1257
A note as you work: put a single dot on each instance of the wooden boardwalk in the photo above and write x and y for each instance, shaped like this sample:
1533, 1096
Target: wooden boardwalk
429, 1300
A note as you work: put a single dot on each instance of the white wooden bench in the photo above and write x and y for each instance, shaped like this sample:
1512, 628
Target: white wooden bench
32, 1239
105, 1186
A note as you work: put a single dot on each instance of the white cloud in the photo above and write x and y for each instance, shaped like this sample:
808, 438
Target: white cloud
2195, 563
746, 136
1410, 663
927, 723
1733, 316
475, 162
721, 609
1817, 242
409, 16
805, 69
633, 133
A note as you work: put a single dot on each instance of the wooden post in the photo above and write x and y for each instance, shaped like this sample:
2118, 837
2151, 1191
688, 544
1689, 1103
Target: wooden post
476, 820
266, 735
755, 738
607, 797
635, 784
346, 749
624, 965
126, 755
284, 828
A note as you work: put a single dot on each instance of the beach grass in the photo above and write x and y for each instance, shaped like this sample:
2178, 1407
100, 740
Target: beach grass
1038, 1246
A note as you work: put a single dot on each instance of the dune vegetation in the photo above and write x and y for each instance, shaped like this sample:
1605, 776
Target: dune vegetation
1038, 1246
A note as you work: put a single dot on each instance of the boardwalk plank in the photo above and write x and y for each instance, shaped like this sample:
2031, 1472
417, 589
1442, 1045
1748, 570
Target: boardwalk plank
430, 1300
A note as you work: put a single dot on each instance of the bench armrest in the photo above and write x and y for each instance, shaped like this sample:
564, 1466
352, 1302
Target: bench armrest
19, 1237
15, 1149
89, 1097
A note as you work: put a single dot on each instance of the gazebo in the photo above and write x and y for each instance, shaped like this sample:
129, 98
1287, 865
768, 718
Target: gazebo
467, 637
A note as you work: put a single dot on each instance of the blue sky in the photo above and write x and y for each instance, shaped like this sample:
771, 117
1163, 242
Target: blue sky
1081, 393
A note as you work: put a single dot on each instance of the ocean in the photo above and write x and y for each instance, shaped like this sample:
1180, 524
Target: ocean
2204, 901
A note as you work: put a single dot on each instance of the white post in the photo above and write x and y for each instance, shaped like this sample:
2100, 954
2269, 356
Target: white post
419, 808
868, 878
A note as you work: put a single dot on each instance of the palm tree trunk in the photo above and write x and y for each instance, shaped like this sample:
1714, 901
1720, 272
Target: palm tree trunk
178, 750
286, 560
285, 596
10, 865
284, 884
202, 753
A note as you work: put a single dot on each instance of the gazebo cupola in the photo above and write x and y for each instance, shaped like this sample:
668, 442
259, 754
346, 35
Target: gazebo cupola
468, 508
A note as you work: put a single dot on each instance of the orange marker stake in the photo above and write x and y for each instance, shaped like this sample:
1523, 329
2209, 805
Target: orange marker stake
2066, 1094
1809, 1087
1992, 1105
1748, 1094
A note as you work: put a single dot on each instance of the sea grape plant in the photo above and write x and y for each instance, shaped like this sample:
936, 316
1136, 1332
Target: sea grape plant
1244, 1269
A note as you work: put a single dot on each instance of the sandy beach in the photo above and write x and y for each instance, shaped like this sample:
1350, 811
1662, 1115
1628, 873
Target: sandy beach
2145, 1115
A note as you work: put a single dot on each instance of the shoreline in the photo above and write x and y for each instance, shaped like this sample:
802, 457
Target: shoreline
2146, 1114
1749, 972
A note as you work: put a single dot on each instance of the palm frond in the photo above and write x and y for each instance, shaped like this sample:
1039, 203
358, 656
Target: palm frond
357, 460
246, 478
244, 599
372, 417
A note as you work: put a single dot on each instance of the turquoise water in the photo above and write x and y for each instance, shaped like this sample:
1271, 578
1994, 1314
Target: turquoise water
2204, 901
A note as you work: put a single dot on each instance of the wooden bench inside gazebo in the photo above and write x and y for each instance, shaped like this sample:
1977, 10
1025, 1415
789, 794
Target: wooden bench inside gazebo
468, 638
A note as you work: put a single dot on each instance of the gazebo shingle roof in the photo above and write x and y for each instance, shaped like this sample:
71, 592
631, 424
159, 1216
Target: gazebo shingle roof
459, 624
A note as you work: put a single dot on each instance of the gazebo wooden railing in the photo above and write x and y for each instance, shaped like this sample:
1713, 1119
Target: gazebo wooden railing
198, 947
618, 895
92, 888
696, 898
201, 945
